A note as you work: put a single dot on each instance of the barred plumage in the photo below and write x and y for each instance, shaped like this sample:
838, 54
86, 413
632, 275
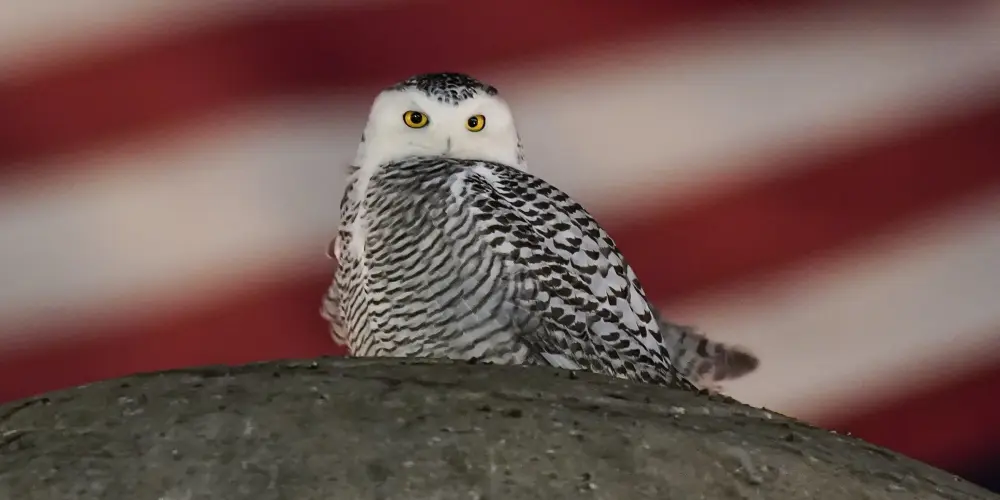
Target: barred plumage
472, 259
449, 248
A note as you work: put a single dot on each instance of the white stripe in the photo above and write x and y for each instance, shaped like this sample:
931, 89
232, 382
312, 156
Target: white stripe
835, 335
261, 189
177, 222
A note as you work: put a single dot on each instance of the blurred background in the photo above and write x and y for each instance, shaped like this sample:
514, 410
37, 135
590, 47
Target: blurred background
816, 180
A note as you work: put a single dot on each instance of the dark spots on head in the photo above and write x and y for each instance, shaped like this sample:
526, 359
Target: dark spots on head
451, 88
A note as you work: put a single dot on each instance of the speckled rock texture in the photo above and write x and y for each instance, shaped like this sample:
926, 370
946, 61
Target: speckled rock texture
392, 429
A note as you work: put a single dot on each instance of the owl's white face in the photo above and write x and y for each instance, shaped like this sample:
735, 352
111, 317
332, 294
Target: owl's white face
410, 122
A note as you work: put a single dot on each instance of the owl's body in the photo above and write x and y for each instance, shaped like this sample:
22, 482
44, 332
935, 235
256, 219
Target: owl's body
449, 248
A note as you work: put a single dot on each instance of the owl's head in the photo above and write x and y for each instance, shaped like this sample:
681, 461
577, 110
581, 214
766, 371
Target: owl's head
440, 114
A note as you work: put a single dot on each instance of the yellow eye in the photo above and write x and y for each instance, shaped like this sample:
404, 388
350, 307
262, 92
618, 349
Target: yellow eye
415, 119
475, 123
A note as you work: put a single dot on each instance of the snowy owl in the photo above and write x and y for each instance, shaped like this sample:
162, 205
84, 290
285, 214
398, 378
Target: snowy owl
448, 247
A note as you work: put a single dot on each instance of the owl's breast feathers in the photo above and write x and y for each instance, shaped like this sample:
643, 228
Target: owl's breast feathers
576, 302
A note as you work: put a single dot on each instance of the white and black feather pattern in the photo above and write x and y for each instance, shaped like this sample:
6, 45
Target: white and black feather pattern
331, 307
477, 260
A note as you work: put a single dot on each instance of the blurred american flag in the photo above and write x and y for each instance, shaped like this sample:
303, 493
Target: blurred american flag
819, 181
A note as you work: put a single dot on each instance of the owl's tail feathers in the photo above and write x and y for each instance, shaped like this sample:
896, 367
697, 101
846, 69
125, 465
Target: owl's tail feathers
703, 361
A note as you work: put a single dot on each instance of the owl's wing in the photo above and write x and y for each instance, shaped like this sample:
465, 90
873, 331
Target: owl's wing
590, 309
331, 311
330, 308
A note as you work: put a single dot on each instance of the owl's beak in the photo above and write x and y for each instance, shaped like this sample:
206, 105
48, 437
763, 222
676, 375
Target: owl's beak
447, 147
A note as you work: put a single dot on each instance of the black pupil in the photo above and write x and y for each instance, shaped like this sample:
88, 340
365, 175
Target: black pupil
474, 122
416, 117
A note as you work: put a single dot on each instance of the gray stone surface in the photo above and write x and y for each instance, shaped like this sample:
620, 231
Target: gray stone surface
385, 429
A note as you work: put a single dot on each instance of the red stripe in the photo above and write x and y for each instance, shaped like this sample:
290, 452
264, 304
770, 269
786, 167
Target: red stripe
950, 425
837, 201
138, 89
279, 321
